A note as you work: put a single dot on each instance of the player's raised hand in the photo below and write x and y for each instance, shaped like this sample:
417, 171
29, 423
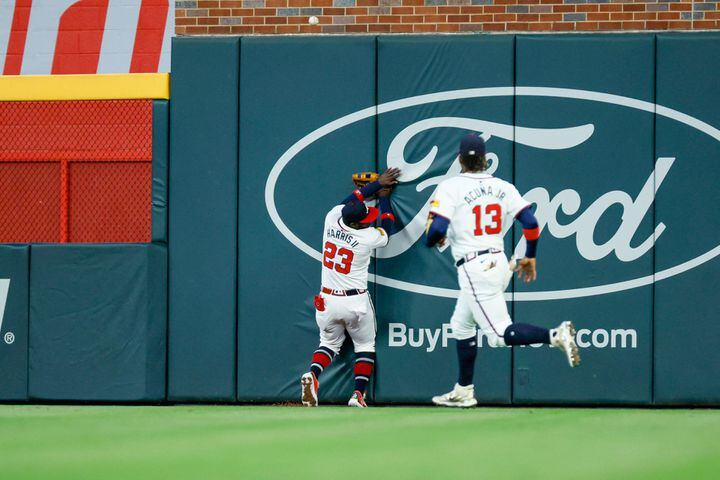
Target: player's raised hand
389, 177
527, 269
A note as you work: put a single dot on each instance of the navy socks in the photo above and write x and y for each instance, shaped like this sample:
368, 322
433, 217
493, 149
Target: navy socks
364, 363
466, 352
526, 334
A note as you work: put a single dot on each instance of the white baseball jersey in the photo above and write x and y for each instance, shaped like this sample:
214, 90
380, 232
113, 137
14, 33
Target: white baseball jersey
480, 208
346, 252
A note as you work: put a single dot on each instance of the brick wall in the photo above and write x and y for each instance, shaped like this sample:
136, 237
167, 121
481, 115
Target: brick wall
195, 17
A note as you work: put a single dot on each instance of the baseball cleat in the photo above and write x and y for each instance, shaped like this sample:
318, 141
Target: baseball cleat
563, 337
357, 400
458, 397
309, 388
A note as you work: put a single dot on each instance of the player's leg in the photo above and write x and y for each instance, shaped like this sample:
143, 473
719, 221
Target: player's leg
494, 320
364, 366
362, 330
332, 336
465, 333
485, 282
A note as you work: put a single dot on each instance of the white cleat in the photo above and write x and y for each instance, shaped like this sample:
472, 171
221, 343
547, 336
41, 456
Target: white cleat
309, 388
563, 337
357, 400
462, 397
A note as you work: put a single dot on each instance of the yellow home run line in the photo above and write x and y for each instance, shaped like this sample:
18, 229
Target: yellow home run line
85, 87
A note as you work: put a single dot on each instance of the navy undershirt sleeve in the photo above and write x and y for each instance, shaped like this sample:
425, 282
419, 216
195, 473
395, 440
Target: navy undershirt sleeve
527, 219
386, 207
529, 222
367, 191
437, 231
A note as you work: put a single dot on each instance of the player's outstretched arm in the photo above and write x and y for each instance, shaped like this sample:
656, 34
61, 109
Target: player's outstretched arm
527, 267
388, 178
436, 230
387, 218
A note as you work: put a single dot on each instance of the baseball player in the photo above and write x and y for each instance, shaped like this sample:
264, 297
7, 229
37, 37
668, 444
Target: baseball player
344, 304
472, 211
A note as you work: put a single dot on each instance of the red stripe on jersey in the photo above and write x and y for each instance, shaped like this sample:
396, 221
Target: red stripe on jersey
531, 233
387, 215
149, 36
364, 369
79, 37
18, 35
358, 194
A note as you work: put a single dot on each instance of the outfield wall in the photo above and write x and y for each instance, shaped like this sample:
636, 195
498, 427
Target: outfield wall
614, 138
633, 269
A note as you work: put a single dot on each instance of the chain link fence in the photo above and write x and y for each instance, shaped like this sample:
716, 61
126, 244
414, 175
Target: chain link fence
75, 171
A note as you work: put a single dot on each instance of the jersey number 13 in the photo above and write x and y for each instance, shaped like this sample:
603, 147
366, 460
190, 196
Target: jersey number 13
494, 211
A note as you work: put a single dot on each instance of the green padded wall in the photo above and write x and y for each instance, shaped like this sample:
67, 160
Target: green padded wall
14, 265
416, 359
687, 360
584, 182
160, 139
306, 83
98, 322
203, 219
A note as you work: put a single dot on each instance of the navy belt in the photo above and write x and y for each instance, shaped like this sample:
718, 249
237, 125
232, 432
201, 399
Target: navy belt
474, 255
343, 293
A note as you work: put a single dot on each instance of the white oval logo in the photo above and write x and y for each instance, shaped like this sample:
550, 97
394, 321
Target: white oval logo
540, 138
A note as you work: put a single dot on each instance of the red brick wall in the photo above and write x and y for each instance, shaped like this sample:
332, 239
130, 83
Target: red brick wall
404, 16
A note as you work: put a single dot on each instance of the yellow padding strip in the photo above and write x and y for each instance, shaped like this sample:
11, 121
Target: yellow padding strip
85, 87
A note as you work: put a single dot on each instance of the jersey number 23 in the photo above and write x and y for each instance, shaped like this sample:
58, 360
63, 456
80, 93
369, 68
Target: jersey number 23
346, 258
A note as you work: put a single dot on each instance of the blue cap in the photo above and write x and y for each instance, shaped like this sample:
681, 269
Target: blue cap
358, 212
472, 144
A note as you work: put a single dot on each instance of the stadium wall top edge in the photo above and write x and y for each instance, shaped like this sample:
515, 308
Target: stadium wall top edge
589, 33
124, 86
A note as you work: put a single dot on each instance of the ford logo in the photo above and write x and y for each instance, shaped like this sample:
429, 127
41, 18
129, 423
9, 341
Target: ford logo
635, 204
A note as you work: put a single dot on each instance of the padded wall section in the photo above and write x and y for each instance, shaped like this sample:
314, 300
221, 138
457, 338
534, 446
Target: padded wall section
288, 183
687, 360
14, 264
159, 170
416, 358
203, 219
98, 322
589, 170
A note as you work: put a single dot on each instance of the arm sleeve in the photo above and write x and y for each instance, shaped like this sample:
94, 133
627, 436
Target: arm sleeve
387, 218
361, 194
436, 229
531, 231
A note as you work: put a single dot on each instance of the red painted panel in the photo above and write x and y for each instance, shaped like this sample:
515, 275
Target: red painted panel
79, 39
18, 35
149, 36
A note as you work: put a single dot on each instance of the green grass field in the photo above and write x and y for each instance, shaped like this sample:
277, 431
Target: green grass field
201, 442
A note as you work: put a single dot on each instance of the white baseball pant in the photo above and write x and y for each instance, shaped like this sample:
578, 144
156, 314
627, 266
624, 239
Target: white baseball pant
354, 314
481, 303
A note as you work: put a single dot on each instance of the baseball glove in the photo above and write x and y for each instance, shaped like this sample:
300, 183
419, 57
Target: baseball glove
363, 178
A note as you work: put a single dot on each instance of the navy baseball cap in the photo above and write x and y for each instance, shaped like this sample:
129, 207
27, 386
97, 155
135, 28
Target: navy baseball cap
358, 212
472, 144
